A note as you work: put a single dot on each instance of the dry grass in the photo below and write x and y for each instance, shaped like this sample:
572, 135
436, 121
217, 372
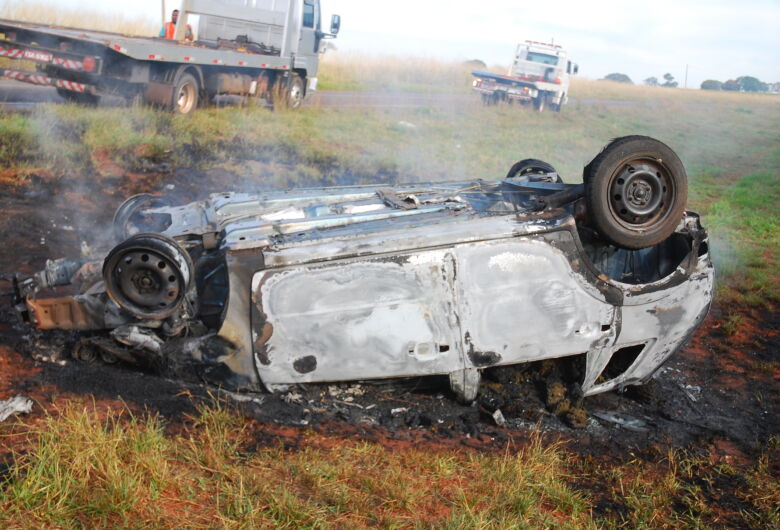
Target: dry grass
57, 15
590, 89
353, 71
85, 468
82, 467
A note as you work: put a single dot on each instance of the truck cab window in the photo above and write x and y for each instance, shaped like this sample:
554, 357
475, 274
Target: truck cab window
308, 13
542, 58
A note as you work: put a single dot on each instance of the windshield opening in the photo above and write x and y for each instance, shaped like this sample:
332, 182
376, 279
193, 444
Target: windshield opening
543, 58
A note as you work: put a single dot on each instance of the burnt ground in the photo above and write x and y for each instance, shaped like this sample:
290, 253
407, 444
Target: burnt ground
719, 393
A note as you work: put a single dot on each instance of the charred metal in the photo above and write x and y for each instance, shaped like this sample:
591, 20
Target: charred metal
262, 291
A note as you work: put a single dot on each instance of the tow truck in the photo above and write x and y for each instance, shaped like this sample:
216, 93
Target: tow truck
539, 75
265, 49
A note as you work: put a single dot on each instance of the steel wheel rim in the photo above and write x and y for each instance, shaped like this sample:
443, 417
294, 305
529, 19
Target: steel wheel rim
148, 279
185, 100
296, 95
642, 192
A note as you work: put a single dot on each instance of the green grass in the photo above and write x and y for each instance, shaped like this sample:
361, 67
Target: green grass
82, 467
731, 156
462, 142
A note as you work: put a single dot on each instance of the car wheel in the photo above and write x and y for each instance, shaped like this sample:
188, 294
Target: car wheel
130, 218
635, 191
531, 166
185, 95
148, 275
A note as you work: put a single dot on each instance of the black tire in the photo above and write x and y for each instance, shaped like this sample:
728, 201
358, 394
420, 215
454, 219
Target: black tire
130, 220
288, 93
531, 166
148, 275
186, 95
295, 92
540, 103
636, 191
558, 106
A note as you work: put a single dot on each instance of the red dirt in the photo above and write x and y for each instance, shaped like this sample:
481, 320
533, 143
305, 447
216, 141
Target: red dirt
731, 419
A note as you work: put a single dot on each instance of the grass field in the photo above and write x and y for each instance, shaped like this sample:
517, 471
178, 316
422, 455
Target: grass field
83, 466
87, 467
56, 14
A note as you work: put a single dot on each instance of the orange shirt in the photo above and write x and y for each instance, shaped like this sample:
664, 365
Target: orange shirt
169, 29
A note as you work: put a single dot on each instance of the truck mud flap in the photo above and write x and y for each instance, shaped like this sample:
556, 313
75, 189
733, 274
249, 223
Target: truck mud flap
158, 93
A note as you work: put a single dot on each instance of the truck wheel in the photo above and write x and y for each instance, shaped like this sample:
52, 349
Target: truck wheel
295, 92
540, 102
185, 95
532, 166
635, 191
558, 106
287, 93
148, 275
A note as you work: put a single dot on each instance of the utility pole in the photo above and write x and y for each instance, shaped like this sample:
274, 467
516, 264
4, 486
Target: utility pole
685, 85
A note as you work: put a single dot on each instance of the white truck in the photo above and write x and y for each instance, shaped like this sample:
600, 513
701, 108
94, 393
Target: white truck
539, 74
266, 49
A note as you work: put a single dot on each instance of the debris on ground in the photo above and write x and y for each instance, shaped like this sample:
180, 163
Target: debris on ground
632, 424
18, 404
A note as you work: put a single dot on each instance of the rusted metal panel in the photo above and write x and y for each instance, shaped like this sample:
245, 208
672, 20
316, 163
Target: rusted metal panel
78, 313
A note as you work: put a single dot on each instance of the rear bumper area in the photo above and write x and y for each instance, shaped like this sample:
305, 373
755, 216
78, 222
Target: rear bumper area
37, 78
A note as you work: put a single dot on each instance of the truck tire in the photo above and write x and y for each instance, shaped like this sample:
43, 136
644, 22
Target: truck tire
558, 106
295, 92
186, 94
288, 93
540, 102
635, 192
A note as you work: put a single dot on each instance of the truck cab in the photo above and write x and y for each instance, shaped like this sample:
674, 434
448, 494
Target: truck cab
549, 66
539, 74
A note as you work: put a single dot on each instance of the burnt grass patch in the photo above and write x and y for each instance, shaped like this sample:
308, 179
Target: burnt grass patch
692, 397
716, 399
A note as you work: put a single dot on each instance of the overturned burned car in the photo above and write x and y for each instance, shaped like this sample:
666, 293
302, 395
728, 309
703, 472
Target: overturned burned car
261, 291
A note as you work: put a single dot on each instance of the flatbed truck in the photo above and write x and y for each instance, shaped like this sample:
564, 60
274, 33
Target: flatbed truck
265, 49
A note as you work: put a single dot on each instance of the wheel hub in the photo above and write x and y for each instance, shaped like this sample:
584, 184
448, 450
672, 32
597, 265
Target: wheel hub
148, 279
638, 192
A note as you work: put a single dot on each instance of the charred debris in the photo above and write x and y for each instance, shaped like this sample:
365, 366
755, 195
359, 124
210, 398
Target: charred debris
262, 292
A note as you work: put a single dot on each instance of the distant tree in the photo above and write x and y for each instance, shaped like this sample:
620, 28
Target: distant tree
651, 81
711, 84
731, 85
618, 78
476, 63
751, 84
670, 82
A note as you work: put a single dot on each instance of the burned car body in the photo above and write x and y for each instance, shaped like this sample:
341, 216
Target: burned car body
262, 291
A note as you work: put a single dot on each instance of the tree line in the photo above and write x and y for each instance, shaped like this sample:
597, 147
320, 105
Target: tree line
745, 83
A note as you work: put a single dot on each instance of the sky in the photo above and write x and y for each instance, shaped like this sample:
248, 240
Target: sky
716, 39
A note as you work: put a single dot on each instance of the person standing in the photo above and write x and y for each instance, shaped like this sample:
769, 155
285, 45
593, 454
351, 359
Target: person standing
169, 28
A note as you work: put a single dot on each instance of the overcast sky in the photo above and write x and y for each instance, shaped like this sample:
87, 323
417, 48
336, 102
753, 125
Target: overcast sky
718, 39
